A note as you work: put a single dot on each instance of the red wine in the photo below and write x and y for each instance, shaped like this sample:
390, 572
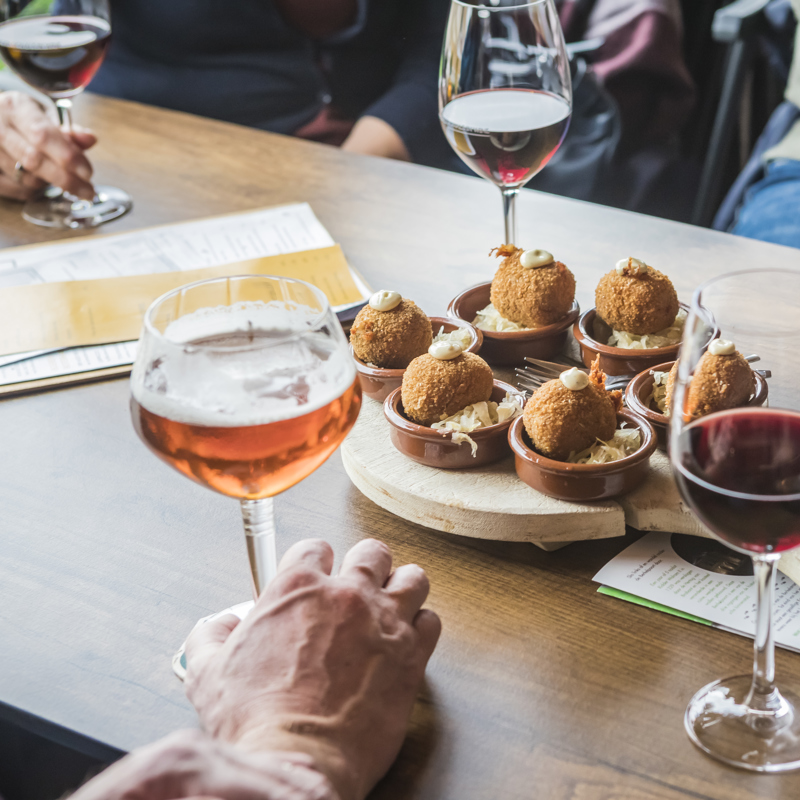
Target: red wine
507, 135
56, 55
739, 470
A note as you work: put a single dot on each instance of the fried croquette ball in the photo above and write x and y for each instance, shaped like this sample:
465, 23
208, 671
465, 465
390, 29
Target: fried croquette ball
391, 339
561, 421
532, 296
720, 382
636, 298
433, 388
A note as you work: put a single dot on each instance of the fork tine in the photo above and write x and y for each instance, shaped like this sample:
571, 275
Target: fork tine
549, 366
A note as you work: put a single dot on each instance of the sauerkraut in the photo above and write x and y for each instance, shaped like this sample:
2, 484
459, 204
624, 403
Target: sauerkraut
490, 319
648, 341
479, 415
625, 442
460, 336
659, 396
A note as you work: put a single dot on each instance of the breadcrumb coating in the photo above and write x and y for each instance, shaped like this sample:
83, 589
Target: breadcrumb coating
531, 297
671, 378
636, 302
433, 389
720, 382
391, 339
561, 421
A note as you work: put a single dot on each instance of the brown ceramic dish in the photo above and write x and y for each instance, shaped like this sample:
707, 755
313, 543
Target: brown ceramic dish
589, 331
436, 448
512, 347
641, 387
582, 482
379, 383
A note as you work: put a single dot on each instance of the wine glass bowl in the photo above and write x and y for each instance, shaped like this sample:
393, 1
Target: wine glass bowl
246, 386
739, 471
505, 92
57, 46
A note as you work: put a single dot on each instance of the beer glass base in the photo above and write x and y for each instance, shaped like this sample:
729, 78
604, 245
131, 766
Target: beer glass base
720, 723
240, 610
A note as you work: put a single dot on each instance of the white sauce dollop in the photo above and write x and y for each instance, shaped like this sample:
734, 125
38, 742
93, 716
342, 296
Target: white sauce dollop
721, 347
533, 259
574, 379
445, 351
634, 264
385, 300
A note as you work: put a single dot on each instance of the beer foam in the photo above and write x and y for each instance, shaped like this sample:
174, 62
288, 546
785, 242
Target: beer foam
274, 366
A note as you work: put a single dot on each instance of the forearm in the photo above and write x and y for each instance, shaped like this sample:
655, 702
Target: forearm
374, 137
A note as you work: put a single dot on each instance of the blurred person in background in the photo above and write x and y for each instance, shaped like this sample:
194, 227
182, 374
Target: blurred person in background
764, 203
361, 74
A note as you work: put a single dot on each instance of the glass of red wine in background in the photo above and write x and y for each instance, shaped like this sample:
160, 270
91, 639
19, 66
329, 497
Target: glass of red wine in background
739, 471
505, 92
57, 46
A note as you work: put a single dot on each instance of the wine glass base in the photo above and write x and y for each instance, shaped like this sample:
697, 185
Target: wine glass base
721, 725
240, 610
57, 209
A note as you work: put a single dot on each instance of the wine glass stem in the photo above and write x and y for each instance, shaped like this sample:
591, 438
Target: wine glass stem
510, 214
763, 695
64, 108
259, 531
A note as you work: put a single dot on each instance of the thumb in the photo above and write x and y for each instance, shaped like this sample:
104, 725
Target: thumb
206, 639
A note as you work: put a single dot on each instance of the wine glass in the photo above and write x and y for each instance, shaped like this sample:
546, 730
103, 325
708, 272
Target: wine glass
57, 46
505, 92
739, 471
246, 386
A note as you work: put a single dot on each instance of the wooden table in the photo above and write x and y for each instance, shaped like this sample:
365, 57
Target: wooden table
540, 687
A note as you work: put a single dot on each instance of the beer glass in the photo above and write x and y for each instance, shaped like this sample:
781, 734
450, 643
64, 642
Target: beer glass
246, 386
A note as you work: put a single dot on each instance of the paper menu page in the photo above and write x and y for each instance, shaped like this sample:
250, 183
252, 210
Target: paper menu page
170, 248
652, 569
106, 310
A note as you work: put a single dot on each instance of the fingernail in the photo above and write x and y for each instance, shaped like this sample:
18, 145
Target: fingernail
84, 172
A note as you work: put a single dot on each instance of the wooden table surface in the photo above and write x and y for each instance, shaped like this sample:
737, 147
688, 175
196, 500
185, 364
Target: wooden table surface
540, 687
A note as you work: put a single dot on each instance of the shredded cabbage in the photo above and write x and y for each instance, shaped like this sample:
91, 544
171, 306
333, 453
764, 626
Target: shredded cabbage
659, 393
460, 336
625, 442
490, 319
647, 341
479, 415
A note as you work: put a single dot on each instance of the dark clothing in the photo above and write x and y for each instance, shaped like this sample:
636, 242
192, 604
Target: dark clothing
240, 61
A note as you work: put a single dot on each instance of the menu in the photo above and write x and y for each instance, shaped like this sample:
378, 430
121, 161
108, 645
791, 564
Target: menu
702, 580
75, 307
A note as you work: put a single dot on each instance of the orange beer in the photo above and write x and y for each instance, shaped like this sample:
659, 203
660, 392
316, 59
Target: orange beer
250, 461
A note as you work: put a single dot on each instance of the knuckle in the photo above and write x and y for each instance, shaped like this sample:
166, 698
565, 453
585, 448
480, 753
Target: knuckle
296, 578
38, 134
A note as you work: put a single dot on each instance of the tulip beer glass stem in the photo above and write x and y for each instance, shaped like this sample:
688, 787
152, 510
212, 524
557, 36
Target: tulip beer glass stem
259, 530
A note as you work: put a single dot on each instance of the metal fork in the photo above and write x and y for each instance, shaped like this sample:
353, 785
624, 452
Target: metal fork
530, 380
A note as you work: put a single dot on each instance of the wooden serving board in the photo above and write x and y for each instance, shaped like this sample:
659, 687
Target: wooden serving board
484, 503
493, 503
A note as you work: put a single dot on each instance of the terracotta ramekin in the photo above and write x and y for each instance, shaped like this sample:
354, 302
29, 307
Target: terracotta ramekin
378, 383
582, 482
589, 329
436, 448
503, 349
641, 387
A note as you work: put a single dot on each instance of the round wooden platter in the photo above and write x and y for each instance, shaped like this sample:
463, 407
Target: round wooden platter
492, 503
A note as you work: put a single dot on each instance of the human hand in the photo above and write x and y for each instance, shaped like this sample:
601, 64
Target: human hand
48, 155
188, 764
328, 666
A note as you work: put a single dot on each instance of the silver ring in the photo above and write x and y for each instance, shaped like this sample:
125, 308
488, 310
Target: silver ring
19, 171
